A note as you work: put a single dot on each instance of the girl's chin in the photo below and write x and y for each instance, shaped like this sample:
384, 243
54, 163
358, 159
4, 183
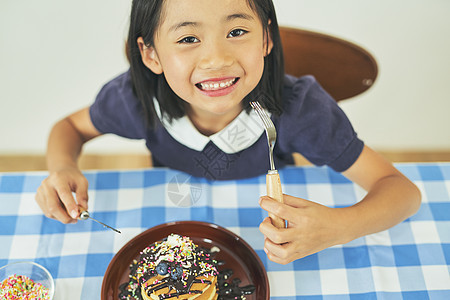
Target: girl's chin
218, 109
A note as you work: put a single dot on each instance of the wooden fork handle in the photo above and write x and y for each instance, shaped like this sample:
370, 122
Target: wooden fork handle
273, 184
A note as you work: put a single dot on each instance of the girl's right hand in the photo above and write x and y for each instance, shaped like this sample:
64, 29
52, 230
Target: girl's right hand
54, 195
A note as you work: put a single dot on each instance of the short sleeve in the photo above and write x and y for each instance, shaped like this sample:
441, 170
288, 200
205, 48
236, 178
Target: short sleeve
315, 126
117, 110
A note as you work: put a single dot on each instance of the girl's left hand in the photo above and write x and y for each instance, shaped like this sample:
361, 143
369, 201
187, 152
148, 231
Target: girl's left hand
311, 227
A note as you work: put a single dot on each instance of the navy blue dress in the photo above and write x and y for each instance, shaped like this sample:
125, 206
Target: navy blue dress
311, 124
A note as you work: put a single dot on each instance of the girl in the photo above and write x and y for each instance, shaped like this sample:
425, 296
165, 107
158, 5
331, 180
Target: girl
195, 65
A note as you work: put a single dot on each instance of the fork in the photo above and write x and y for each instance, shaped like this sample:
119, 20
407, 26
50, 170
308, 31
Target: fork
84, 215
273, 183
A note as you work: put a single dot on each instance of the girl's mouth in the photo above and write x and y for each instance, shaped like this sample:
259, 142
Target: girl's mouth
215, 85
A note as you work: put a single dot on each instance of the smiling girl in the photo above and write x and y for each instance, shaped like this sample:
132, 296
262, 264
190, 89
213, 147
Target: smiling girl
194, 67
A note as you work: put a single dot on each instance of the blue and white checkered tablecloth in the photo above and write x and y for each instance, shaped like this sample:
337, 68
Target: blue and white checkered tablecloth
409, 261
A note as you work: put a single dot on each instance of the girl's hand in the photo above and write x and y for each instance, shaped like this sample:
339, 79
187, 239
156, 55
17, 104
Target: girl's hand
55, 198
66, 139
390, 199
311, 227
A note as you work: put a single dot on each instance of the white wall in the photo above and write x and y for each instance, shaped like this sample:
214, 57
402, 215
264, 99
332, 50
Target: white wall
56, 54
409, 105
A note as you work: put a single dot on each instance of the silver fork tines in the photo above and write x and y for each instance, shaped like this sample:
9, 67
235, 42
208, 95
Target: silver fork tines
271, 132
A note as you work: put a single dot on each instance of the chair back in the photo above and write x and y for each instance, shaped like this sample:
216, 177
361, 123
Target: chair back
341, 67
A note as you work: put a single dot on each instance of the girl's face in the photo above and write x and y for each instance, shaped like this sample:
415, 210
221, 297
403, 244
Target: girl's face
210, 51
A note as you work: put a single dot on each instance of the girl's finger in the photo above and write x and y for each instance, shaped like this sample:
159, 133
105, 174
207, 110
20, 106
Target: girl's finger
295, 201
276, 235
68, 209
282, 261
278, 250
40, 200
81, 194
53, 207
282, 254
281, 210
267, 220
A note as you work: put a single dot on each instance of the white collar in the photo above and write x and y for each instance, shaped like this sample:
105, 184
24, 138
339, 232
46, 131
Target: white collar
240, 134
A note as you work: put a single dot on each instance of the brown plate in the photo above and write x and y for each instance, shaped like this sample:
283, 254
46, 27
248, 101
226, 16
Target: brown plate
234, 251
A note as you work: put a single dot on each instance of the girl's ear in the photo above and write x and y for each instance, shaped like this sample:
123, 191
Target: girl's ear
149, 57
268, 43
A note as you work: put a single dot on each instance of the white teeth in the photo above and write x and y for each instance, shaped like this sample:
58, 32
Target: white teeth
216, 85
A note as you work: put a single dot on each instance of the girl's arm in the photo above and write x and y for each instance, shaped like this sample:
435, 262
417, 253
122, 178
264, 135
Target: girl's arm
65, 142
391, 198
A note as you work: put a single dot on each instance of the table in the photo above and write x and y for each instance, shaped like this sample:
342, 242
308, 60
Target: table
409, 261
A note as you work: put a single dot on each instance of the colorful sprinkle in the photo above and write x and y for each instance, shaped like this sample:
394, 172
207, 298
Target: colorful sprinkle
17, 287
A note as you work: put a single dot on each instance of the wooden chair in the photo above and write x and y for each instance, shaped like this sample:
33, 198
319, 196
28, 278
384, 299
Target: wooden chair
341, 67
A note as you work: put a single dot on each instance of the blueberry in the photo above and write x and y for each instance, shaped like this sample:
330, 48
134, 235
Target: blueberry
177, 273
162, 268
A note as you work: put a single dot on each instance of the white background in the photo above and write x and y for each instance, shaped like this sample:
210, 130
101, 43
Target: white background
56, 54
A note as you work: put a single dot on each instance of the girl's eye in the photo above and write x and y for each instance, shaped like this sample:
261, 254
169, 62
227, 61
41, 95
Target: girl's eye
188, 40
237, 32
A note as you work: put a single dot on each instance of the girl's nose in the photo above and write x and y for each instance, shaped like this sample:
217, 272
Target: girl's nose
215, 56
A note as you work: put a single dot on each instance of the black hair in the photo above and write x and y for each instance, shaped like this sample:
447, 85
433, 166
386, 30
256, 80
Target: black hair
144, 21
